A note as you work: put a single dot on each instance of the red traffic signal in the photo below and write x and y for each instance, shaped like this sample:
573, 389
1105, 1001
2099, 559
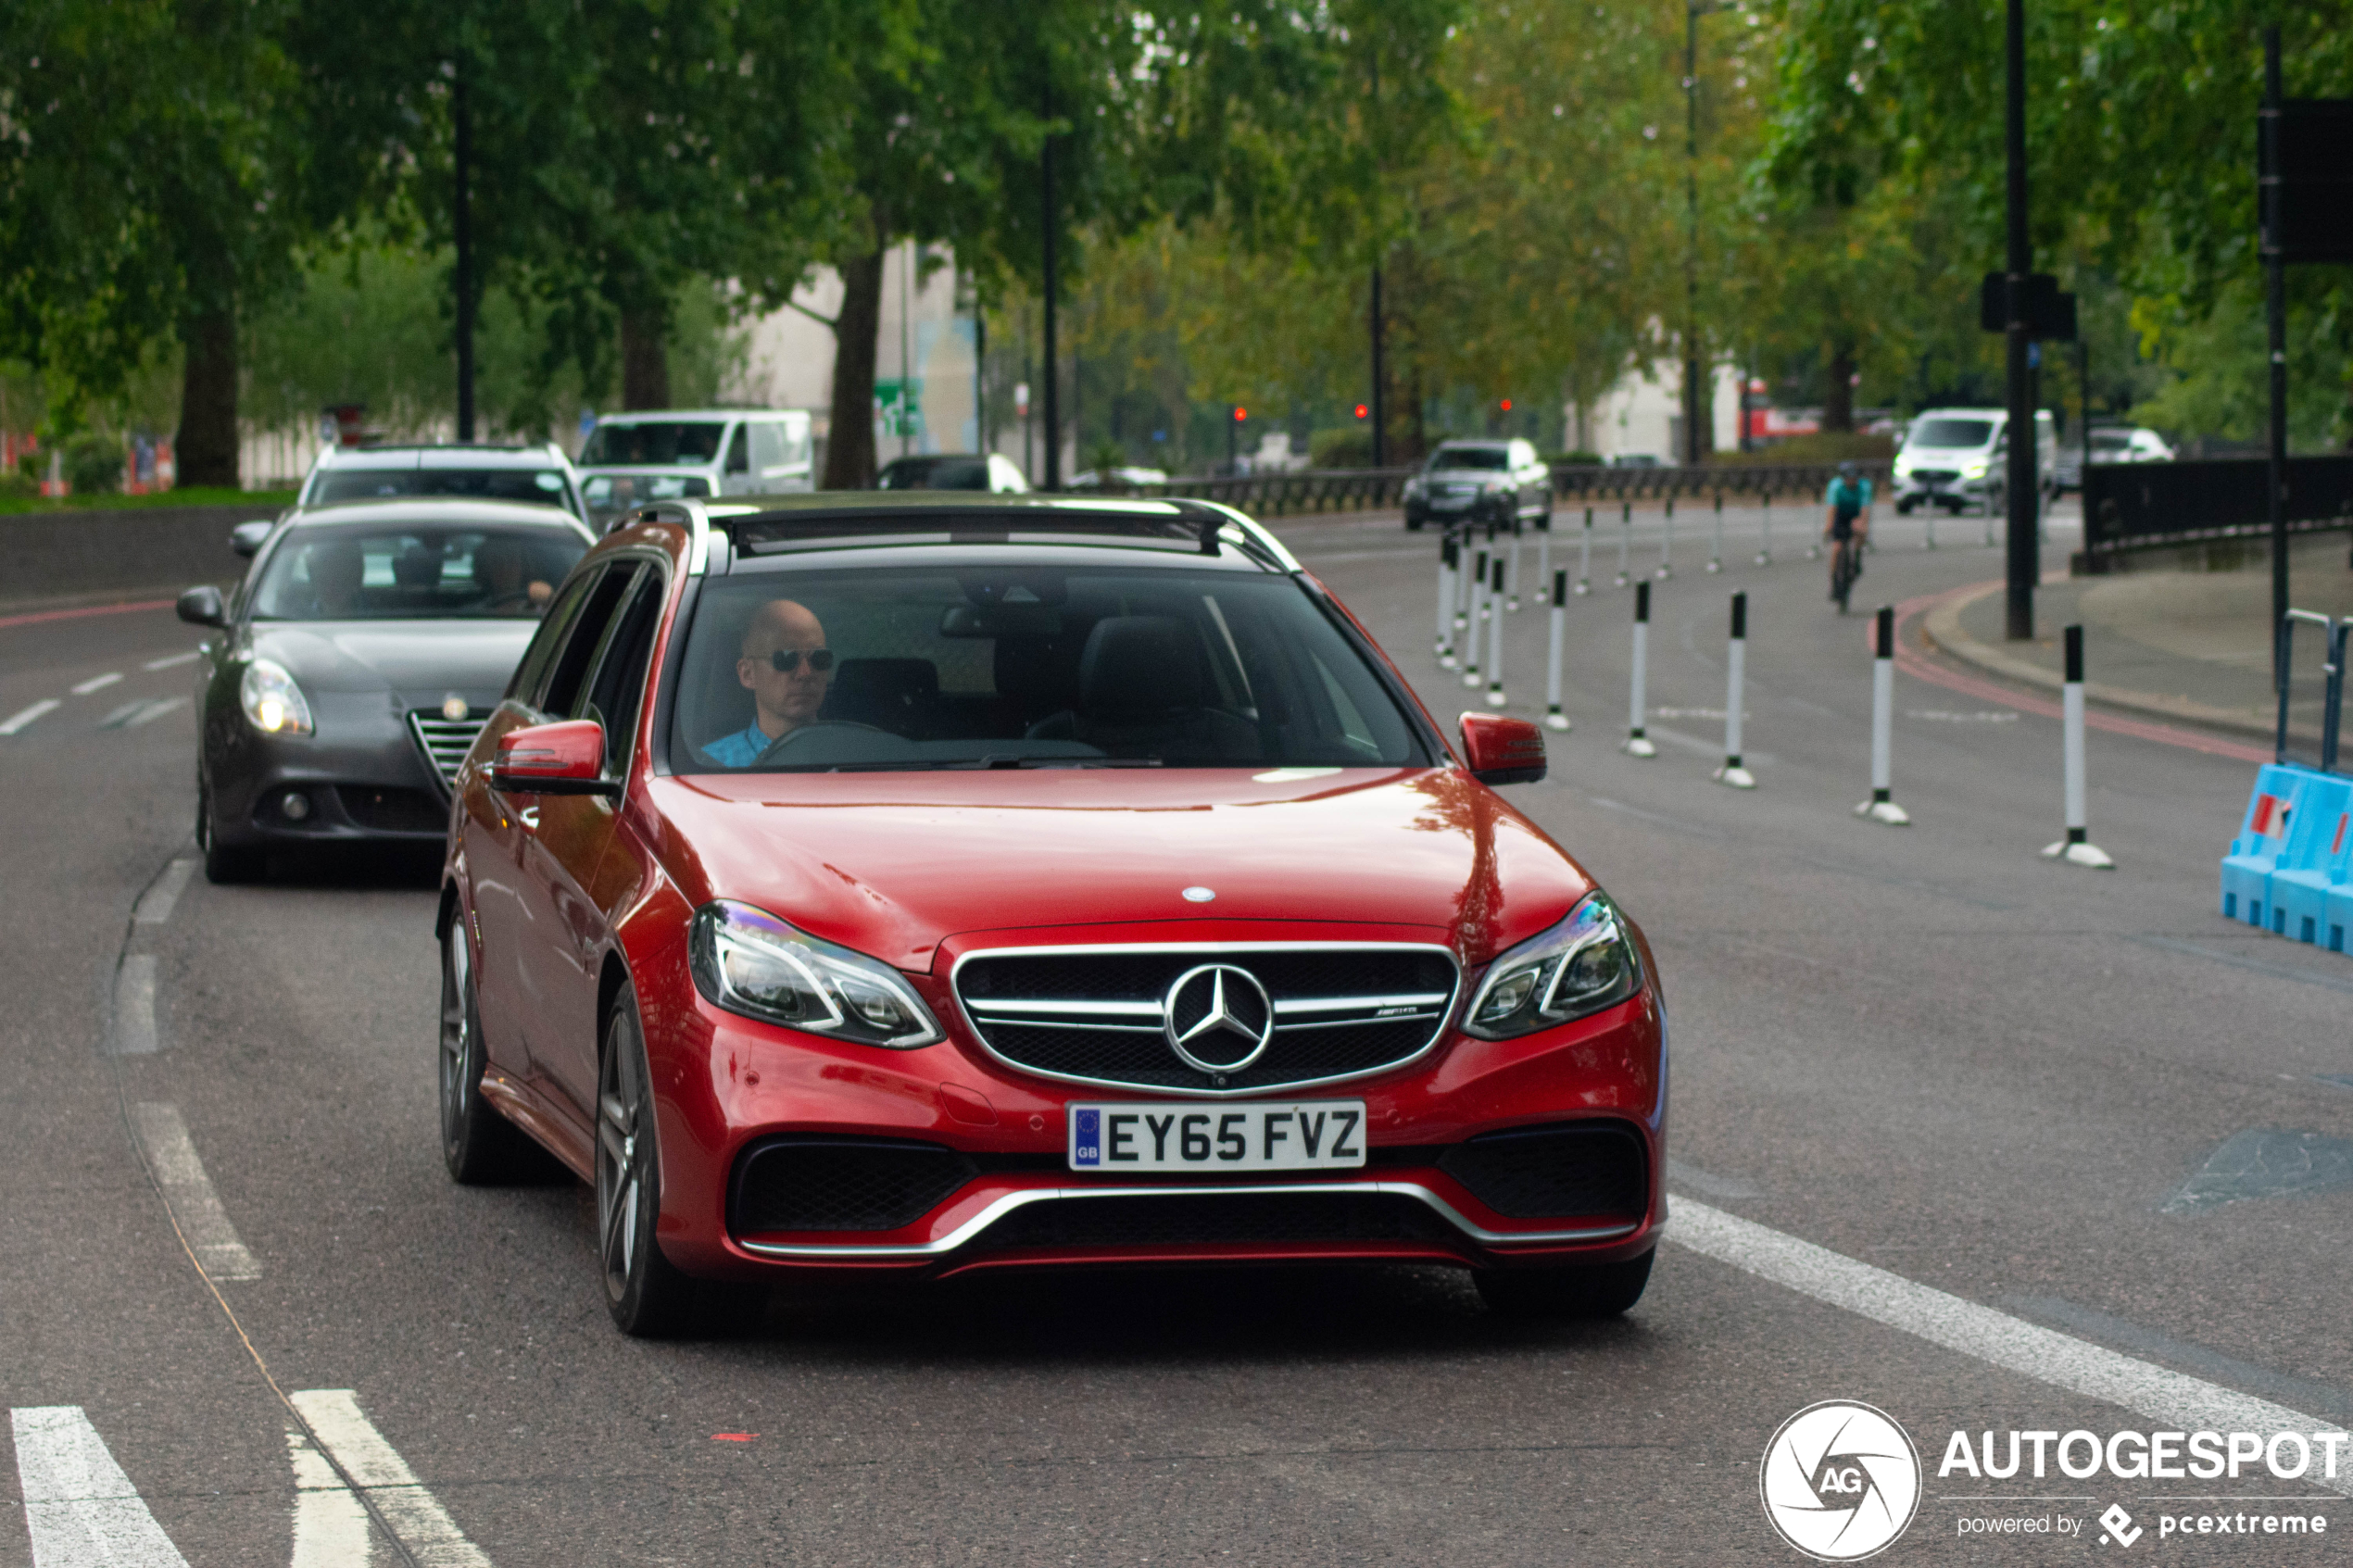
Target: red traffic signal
1240, 413
1507, 405
1362, 411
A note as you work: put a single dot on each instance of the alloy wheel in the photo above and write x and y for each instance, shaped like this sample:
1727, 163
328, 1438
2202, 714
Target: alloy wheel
624, 1147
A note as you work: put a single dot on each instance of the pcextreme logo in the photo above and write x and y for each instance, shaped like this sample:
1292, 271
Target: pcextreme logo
1840, 1481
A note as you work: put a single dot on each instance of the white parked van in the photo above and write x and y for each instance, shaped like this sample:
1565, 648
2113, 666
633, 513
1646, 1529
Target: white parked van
1956, 457
673, 453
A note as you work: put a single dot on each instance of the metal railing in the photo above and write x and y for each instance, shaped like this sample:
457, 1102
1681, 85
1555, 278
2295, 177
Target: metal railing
1342, 490
2151, 505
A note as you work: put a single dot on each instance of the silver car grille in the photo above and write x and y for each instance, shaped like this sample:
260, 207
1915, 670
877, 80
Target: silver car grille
444, 742
1094, 1015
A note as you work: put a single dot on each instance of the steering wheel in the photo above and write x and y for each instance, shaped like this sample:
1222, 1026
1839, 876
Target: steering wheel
776, 749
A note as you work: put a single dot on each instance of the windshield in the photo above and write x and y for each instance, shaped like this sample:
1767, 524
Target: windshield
478, 485
611, 492
1470, 458
935, 473
1952, 433
344, 573
1008, 666
658, 443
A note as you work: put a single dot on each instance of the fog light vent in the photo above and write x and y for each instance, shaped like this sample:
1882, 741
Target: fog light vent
293, 806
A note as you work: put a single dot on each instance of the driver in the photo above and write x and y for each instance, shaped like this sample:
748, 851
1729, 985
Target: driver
338, 576
501, 567
786, 667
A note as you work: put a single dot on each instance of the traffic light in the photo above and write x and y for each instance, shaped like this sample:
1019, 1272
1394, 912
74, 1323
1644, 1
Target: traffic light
1240, 413
1361, 411
1507, 405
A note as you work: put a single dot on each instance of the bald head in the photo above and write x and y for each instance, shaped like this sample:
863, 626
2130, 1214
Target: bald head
784, 632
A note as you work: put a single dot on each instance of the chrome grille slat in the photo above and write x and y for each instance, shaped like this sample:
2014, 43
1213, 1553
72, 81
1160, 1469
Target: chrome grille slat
1051, 1011
444, 742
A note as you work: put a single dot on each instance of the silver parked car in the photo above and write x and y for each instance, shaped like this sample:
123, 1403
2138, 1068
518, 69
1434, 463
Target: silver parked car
1498, 484
351, 670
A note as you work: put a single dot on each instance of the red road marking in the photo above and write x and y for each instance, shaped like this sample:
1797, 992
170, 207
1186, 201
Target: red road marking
733, 1436
1917, 664
78, 614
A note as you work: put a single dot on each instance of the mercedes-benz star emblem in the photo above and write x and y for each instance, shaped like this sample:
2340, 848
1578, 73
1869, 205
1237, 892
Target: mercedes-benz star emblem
1217, 1018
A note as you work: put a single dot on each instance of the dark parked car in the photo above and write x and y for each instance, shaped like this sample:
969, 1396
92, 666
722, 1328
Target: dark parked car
1493, 483
356, 663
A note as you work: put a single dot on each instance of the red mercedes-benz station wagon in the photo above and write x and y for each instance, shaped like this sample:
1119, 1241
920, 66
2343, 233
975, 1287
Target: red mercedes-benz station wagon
925, 883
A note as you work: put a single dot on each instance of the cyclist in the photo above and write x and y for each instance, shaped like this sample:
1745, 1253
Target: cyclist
1847, 520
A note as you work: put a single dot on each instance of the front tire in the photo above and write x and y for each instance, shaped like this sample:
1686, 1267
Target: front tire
224, 865
480, 1146
1585, 1291
647, 1297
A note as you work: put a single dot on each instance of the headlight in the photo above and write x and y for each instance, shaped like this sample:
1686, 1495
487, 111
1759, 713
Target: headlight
748, 962
1973, 470
271, 700
1581, 966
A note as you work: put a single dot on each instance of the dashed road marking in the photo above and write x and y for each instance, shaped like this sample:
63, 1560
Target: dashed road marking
115, 718
331, 1525
424, 1528
97, 682
171, 1154
79, 1507
2046, 1355
151, 711
155, 903
134, 1007
172, 661
23, 716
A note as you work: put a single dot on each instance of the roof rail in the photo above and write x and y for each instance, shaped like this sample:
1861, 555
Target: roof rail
1203, 524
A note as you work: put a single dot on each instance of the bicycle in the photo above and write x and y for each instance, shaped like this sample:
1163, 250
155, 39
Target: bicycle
1846, 566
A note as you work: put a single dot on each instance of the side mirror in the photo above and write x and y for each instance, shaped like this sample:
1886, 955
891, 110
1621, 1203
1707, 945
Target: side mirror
566, 757
201, 605
246, 537
1503, 751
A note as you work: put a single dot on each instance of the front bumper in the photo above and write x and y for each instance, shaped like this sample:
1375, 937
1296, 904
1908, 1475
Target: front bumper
362, 778
1004, 1198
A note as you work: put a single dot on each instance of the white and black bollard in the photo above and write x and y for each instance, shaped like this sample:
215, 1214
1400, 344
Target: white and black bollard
1448, 555
1638, 744
1667, 544
1511, 583
1544, 550
1495, 639
1929, 542
2076, 849
1625, 541
1735, 675
1553, 718
1585, 556
1477, 627
1882, 807
1715, 560
1765, 546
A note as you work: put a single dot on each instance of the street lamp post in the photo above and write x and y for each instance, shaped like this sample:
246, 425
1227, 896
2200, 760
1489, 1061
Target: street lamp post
2025, 558
1695, 399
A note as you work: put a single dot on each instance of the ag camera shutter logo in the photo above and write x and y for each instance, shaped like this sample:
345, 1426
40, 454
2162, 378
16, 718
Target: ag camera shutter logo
1840, 1481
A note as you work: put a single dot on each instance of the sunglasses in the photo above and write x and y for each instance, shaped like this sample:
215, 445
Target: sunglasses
783, 661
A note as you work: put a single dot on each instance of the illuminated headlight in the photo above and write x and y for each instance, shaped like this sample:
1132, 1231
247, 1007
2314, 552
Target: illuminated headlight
1581, 966
748, 962
1973, 470
274, 704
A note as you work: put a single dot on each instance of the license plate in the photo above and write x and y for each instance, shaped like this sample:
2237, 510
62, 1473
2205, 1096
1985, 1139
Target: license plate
1322, 1134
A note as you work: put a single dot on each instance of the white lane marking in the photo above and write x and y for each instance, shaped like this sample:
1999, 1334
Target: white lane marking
153, 711
97, 682
79, 1506
173, 1157
134, 1007
176, 658
2077, 1365
114, 718
330, 1528
155, 905
23, 716
432, 1537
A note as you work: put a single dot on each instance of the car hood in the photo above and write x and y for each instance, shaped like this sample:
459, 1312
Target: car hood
893, 864
418, 661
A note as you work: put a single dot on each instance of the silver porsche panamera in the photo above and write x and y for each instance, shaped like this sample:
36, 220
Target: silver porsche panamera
350, 670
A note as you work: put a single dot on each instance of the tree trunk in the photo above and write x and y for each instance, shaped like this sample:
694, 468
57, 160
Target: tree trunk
206, 449
1838, 398
645, 361
850, 451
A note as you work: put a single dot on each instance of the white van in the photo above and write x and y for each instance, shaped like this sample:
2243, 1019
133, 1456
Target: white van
1954, 458
664, 454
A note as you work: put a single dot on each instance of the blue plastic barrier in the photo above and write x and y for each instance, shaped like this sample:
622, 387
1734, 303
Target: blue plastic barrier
2281, 791
2314, 861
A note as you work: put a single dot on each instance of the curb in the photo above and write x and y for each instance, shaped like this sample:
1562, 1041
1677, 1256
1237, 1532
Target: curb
1941, 628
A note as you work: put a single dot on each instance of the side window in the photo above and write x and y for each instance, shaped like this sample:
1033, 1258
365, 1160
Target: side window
533, 671
739, 451
618, 688
569, 672
767, 445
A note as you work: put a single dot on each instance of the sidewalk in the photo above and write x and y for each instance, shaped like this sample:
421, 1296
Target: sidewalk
2187, 646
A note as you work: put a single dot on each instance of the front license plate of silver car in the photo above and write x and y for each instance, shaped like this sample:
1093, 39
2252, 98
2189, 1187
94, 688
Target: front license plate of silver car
1156, 1136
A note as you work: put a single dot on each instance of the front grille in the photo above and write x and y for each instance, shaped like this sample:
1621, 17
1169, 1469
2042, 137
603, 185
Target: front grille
444, 742
392, 810
1554, 1172
1095, 1016
1935, 476
841, 1185
1180, 1219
